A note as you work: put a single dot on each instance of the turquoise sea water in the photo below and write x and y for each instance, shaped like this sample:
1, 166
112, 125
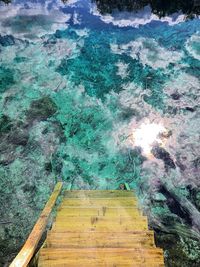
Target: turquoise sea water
76, 83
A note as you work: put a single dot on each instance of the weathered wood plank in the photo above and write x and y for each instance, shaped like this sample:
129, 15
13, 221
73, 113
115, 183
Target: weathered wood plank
106, 254
98, 194
100, 202
89, 242
100, 219
98, 211
100, 235
95, 263
104, 227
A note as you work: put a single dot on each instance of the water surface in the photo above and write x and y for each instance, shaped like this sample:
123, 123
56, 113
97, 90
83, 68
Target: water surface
77, 81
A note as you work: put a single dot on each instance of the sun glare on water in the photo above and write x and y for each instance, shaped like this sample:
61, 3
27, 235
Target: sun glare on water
147, 135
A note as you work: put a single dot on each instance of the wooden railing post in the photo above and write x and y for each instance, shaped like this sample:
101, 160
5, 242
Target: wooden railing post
26, 253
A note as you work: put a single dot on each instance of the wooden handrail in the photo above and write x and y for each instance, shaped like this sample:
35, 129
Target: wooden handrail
26, 253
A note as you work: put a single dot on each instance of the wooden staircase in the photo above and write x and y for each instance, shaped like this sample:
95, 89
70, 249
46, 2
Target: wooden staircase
100, 228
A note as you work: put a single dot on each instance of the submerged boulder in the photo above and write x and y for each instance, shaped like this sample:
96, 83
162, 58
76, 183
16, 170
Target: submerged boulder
7, 40
5, 124
161, 153
41, 109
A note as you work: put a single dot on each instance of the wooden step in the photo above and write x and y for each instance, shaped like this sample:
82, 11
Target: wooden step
89, 242
134, 253
106, 255
100, 202
98, 194
86, 222
102, 211
99, 227
100, 219
133, 217
99, 235
96, 263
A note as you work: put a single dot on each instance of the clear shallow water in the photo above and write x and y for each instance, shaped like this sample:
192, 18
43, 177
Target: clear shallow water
76, 83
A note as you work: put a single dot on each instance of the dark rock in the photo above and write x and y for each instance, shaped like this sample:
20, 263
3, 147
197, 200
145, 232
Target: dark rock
45, 131
190, 109
194, 193
196, 163
48, 166
29, 188
5, 124
173, 247
18, 137
8, 160
7, 40
41, 109
128, 113
18, 59
180, 165
161, 153
174, 205
175, 96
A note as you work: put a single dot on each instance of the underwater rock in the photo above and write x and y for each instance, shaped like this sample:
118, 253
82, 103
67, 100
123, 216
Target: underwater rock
175, 96
174, 205
5, 124
177, 251
128, 113
194, 194
161, 153
7, 40
41, 109
18, 137
190, 109
12, 134
180, 165
48, 167
196, 162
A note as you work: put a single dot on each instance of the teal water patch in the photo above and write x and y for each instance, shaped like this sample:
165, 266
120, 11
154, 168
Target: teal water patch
89, 152
7, 78
94, 67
